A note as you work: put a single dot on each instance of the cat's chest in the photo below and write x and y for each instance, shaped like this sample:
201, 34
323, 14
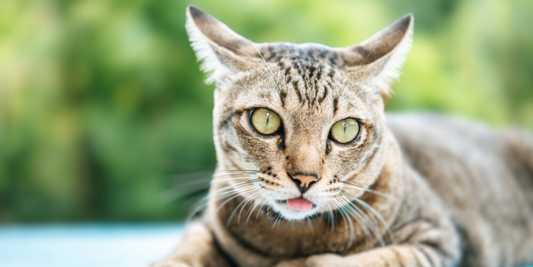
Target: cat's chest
262, 232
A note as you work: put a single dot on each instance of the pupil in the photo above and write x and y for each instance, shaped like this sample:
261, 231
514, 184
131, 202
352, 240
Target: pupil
268, 118
344, 126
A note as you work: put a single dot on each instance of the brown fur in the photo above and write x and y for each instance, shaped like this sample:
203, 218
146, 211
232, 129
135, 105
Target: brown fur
448, 192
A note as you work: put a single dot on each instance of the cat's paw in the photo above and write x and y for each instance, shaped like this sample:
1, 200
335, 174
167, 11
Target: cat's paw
320, 260
292, 263
324, 260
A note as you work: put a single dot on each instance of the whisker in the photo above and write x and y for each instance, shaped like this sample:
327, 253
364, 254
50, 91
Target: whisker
266, 64
237, 189
342, 212
170, 195
353, 185
233, 173
229, 179
232, 197
192, 174
235, 186
265, 68
277, 221
236, 208
364, 225
259, 210
242, 208
331, 218
219, 194
194, 182
226, 178
200, 205
310, 224
251, 210
372, 210
190, 200
337, 206
358, 217
236, 171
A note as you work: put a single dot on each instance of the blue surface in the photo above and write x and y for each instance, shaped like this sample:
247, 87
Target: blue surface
90, 245
87, 245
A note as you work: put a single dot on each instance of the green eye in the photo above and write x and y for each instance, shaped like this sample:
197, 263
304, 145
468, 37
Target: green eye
265, 121
345, 131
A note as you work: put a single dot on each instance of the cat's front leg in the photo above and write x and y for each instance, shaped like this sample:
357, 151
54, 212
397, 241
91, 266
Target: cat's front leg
419, 246
197, 249
391, 256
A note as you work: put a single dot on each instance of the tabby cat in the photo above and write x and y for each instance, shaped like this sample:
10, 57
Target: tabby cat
311, 172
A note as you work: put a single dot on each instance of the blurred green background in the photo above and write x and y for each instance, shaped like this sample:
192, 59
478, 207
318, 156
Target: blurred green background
103, 108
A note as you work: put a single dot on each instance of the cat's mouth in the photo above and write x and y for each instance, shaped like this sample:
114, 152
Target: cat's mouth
299, 203
298, 208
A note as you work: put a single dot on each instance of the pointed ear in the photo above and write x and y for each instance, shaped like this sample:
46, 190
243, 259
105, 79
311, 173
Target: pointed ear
221, 50
380, 57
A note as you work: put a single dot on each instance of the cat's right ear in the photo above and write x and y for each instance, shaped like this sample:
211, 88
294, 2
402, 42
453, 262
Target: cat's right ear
380, 57
221, 50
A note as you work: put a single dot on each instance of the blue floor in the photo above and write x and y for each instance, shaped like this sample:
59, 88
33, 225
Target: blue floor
87, 245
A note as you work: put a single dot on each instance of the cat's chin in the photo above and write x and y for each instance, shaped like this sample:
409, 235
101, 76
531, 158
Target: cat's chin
291, 214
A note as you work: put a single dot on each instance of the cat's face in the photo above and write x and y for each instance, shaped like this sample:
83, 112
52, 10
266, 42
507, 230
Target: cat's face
298, 127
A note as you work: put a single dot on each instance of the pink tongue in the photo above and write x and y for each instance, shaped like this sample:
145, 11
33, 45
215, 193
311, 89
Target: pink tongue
299, 203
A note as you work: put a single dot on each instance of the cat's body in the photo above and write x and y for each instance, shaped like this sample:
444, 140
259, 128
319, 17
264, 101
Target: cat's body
401, 190
484, 179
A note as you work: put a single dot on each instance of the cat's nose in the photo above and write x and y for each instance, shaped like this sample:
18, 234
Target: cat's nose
304, 181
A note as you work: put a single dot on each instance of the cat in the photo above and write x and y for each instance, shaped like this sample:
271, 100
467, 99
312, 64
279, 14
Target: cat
311, 172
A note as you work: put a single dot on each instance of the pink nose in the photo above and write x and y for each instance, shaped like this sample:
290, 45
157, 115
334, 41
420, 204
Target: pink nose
304, 181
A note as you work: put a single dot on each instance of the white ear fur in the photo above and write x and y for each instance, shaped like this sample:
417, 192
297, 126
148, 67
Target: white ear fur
220, 49
393, 67
210, 63
379, 59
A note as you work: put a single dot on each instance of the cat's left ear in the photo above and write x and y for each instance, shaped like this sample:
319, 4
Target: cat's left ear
380, 58
222, 51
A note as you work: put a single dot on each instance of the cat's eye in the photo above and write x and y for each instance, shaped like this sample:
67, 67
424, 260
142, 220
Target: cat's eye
265, 121
345, 131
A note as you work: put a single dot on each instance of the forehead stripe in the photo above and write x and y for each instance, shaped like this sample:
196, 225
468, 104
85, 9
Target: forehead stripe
295, 86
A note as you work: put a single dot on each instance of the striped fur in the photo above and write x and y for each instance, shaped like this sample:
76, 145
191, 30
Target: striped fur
410, 190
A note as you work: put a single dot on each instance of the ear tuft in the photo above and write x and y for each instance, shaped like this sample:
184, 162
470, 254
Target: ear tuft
220, 49
210, 63
393, 67
381, 57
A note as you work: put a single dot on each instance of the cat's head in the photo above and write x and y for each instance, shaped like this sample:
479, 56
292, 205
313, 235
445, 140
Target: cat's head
298, 127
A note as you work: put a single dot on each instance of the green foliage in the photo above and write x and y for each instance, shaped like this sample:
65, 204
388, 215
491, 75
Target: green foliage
102, 102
